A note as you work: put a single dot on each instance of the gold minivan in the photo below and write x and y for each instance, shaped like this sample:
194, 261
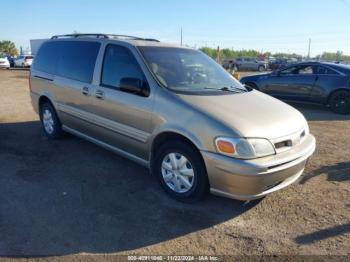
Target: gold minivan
172, 109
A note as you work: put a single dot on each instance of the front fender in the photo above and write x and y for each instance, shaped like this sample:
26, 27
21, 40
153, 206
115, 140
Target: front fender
179, 130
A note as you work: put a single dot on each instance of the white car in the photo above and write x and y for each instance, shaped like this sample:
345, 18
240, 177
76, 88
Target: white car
24, 61
4, 62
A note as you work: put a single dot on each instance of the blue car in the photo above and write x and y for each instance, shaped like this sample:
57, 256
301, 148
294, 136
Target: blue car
313, 82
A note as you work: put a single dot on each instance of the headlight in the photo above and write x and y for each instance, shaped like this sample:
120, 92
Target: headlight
244, 148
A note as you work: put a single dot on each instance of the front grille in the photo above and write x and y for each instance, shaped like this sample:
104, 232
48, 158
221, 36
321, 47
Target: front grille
287, 143
282, 164
282, 144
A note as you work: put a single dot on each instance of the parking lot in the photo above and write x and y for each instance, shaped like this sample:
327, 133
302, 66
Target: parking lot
69, 197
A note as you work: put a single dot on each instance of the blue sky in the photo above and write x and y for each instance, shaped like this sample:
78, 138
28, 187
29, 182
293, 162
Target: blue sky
265, 25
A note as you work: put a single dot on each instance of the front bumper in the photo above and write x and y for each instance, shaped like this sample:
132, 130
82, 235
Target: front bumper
252, 179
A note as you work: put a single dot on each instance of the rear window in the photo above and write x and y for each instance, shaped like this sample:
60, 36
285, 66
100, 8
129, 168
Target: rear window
29, 57
321, 70
71, 59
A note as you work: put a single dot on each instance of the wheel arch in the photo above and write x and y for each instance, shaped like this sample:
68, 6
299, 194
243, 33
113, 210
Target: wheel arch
168, 135
43, 99
334, 91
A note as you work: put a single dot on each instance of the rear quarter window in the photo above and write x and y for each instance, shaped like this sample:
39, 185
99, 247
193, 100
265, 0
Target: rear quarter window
321, 70
47, 58
70, 59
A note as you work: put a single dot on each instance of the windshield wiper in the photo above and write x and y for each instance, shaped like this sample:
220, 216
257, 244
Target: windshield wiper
227, 89
238, 88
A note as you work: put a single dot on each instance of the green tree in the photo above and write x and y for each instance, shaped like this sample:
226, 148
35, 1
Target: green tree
8, 47
337, 56
209, 51
227, 53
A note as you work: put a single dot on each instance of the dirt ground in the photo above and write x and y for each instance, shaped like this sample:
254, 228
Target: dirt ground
70, 197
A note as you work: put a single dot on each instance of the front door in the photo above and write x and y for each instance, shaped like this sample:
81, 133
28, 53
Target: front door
292, 83
123, 119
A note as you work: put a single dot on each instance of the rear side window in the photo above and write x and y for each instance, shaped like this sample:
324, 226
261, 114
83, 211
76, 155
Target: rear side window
71, 59
118, 63
325, 71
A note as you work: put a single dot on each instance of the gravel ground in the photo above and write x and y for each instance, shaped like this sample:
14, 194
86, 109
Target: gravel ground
70, 197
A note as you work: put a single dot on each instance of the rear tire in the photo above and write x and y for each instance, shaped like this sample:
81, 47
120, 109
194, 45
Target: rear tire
180, 170
261, 68
50, 122
339, 102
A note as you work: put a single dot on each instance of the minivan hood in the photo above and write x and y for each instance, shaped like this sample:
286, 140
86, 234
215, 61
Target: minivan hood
250, 114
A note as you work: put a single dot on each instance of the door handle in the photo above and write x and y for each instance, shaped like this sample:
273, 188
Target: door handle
99, 94
44, 78
85, 91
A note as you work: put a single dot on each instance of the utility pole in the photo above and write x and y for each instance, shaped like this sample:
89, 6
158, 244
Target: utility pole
308, 54
181, 35
218, 55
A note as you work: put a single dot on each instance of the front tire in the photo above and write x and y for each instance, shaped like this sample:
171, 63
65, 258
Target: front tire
340, 102
50, 122
181, 171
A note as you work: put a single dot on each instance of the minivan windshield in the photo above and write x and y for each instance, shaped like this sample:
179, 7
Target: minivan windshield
182, 69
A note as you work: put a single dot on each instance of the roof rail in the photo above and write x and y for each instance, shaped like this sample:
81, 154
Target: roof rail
79, 35
104, 36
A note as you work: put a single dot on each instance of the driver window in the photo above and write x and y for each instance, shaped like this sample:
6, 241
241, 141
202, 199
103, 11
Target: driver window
118, 63
289, 71
306, 70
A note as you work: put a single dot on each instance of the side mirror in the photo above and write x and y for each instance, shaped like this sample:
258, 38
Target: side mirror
134, 86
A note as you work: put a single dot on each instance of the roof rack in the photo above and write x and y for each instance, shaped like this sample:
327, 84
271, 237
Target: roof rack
104, 36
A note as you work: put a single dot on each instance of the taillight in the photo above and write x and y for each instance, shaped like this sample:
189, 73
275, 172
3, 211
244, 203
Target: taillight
30, 81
